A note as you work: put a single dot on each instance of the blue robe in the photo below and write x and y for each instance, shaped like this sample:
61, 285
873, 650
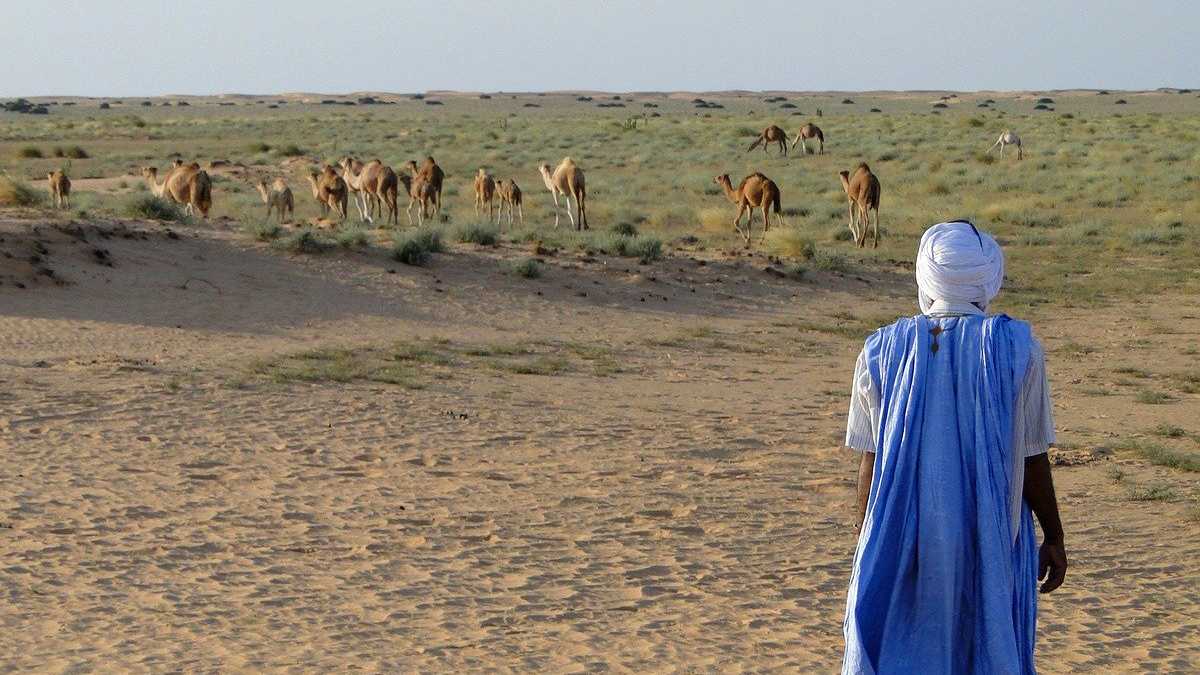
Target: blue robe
941, 582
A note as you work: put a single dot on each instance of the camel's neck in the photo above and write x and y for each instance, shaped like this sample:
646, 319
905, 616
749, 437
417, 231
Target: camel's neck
845, 184
548, 180
729, 191
262, 191
156, 187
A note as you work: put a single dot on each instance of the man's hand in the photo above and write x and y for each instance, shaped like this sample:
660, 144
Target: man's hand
1052, 565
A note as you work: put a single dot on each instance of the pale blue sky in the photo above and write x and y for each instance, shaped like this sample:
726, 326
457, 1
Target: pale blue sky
151, 47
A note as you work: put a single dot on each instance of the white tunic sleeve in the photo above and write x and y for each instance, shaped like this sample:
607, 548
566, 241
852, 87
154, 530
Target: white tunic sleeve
863, 422
1033, 426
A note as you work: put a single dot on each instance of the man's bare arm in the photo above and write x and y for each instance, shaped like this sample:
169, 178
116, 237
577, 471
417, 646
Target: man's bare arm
1039, 494
866, 474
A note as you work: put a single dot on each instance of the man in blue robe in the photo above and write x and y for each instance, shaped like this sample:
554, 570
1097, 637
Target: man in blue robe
951, 412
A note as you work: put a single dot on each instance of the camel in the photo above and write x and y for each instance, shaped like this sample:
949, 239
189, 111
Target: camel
862, 191
375, 185
510, 196
808, 131
352, 170
60, 189
755, 190
567, 180
1008, 138
330, 191
432, 174
278, 196
485, 193
184, 184
420, 191
771, 134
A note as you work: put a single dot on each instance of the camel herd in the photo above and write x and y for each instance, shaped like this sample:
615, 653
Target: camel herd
375, 189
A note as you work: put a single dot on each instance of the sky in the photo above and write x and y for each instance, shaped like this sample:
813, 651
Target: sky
156, 47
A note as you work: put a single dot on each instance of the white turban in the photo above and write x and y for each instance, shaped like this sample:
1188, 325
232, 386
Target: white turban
957, 264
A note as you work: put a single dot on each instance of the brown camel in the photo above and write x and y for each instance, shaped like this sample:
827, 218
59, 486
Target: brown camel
420, 192
330, 191
60, 189
568, 181
862, 191
485, 193
432, 174
755, 190
808, 131
771, 134
510, 196
184, 184
352, 174
278, 196
374, 184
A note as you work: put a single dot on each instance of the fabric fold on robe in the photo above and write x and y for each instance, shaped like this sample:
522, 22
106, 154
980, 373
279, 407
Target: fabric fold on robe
941, 583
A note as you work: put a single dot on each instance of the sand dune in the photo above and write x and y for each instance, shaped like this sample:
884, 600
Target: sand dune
673, 498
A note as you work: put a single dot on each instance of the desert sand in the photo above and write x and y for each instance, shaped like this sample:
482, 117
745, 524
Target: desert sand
673, 498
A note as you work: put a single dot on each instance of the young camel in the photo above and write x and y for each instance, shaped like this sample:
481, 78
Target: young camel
771, 134
330, 191
419, 192
1008, 138
510, 196
862, 191
184, 184
485, 193
430, 173
60, 189
568, 181
755, 190
808, 131
278, 196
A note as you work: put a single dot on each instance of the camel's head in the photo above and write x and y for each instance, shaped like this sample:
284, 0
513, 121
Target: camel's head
844, 174
50, 176
411, 165
862, 166
482, 172
544, 169
149, 172
723, 179
177, 162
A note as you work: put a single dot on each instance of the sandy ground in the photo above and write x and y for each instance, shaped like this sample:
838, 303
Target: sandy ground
163, 508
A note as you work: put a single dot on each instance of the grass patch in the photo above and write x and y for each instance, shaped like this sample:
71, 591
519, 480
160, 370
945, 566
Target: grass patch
529, 268
1152, 493
416, 247
15, 192
303, 242
1151, 397
30, 152
483, 234
149, 207
352, 237
290, 150
73, 152
541, 365
262, 231
644, 248
830, 261
1169, 431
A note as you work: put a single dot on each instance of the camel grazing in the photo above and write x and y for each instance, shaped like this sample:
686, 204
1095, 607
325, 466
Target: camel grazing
60, 189
330, 191
420, 192
430, 173
567, 180
808, 131
1008, 138
755, 190
510, 196
862, 191
485, 193
771, 134
185, 184
278, 196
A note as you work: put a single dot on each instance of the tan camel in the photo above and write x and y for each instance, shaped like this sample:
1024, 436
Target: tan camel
862, 191
808, 131
374, 185
1008, 138
510, 196
330, 191
278, 196
568, 181
771, 134
755, 190
185, 184
430, 173
60, 189
351, 173
420, 192
485, 193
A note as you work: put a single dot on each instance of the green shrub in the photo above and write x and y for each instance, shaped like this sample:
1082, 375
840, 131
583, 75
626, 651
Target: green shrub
415, 247
529, 268
262, 231
1156, 236
290, 150
14, 192
830, 261
303, 242
352, 237
259, 147
30, 152
484, 234
153, 208
625, 228
73, 152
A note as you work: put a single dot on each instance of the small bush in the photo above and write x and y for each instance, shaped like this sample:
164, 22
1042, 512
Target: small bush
1156, 236
415, 247
73, 152
528, 268
14, 192
303, 242
627, 229
30, 152
262, 231
788, 242
351, 237
259, 147
1151, 397
289, 151
830, 261
484, 234
646, 249
153, 208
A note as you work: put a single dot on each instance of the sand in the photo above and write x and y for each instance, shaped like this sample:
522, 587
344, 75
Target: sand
164, 508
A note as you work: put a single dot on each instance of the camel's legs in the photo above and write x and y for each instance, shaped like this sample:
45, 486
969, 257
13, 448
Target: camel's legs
853, 230
876, 227
1020, 153
570, 217
821, 148
408, 211
804, 146
554, 193
521, 212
